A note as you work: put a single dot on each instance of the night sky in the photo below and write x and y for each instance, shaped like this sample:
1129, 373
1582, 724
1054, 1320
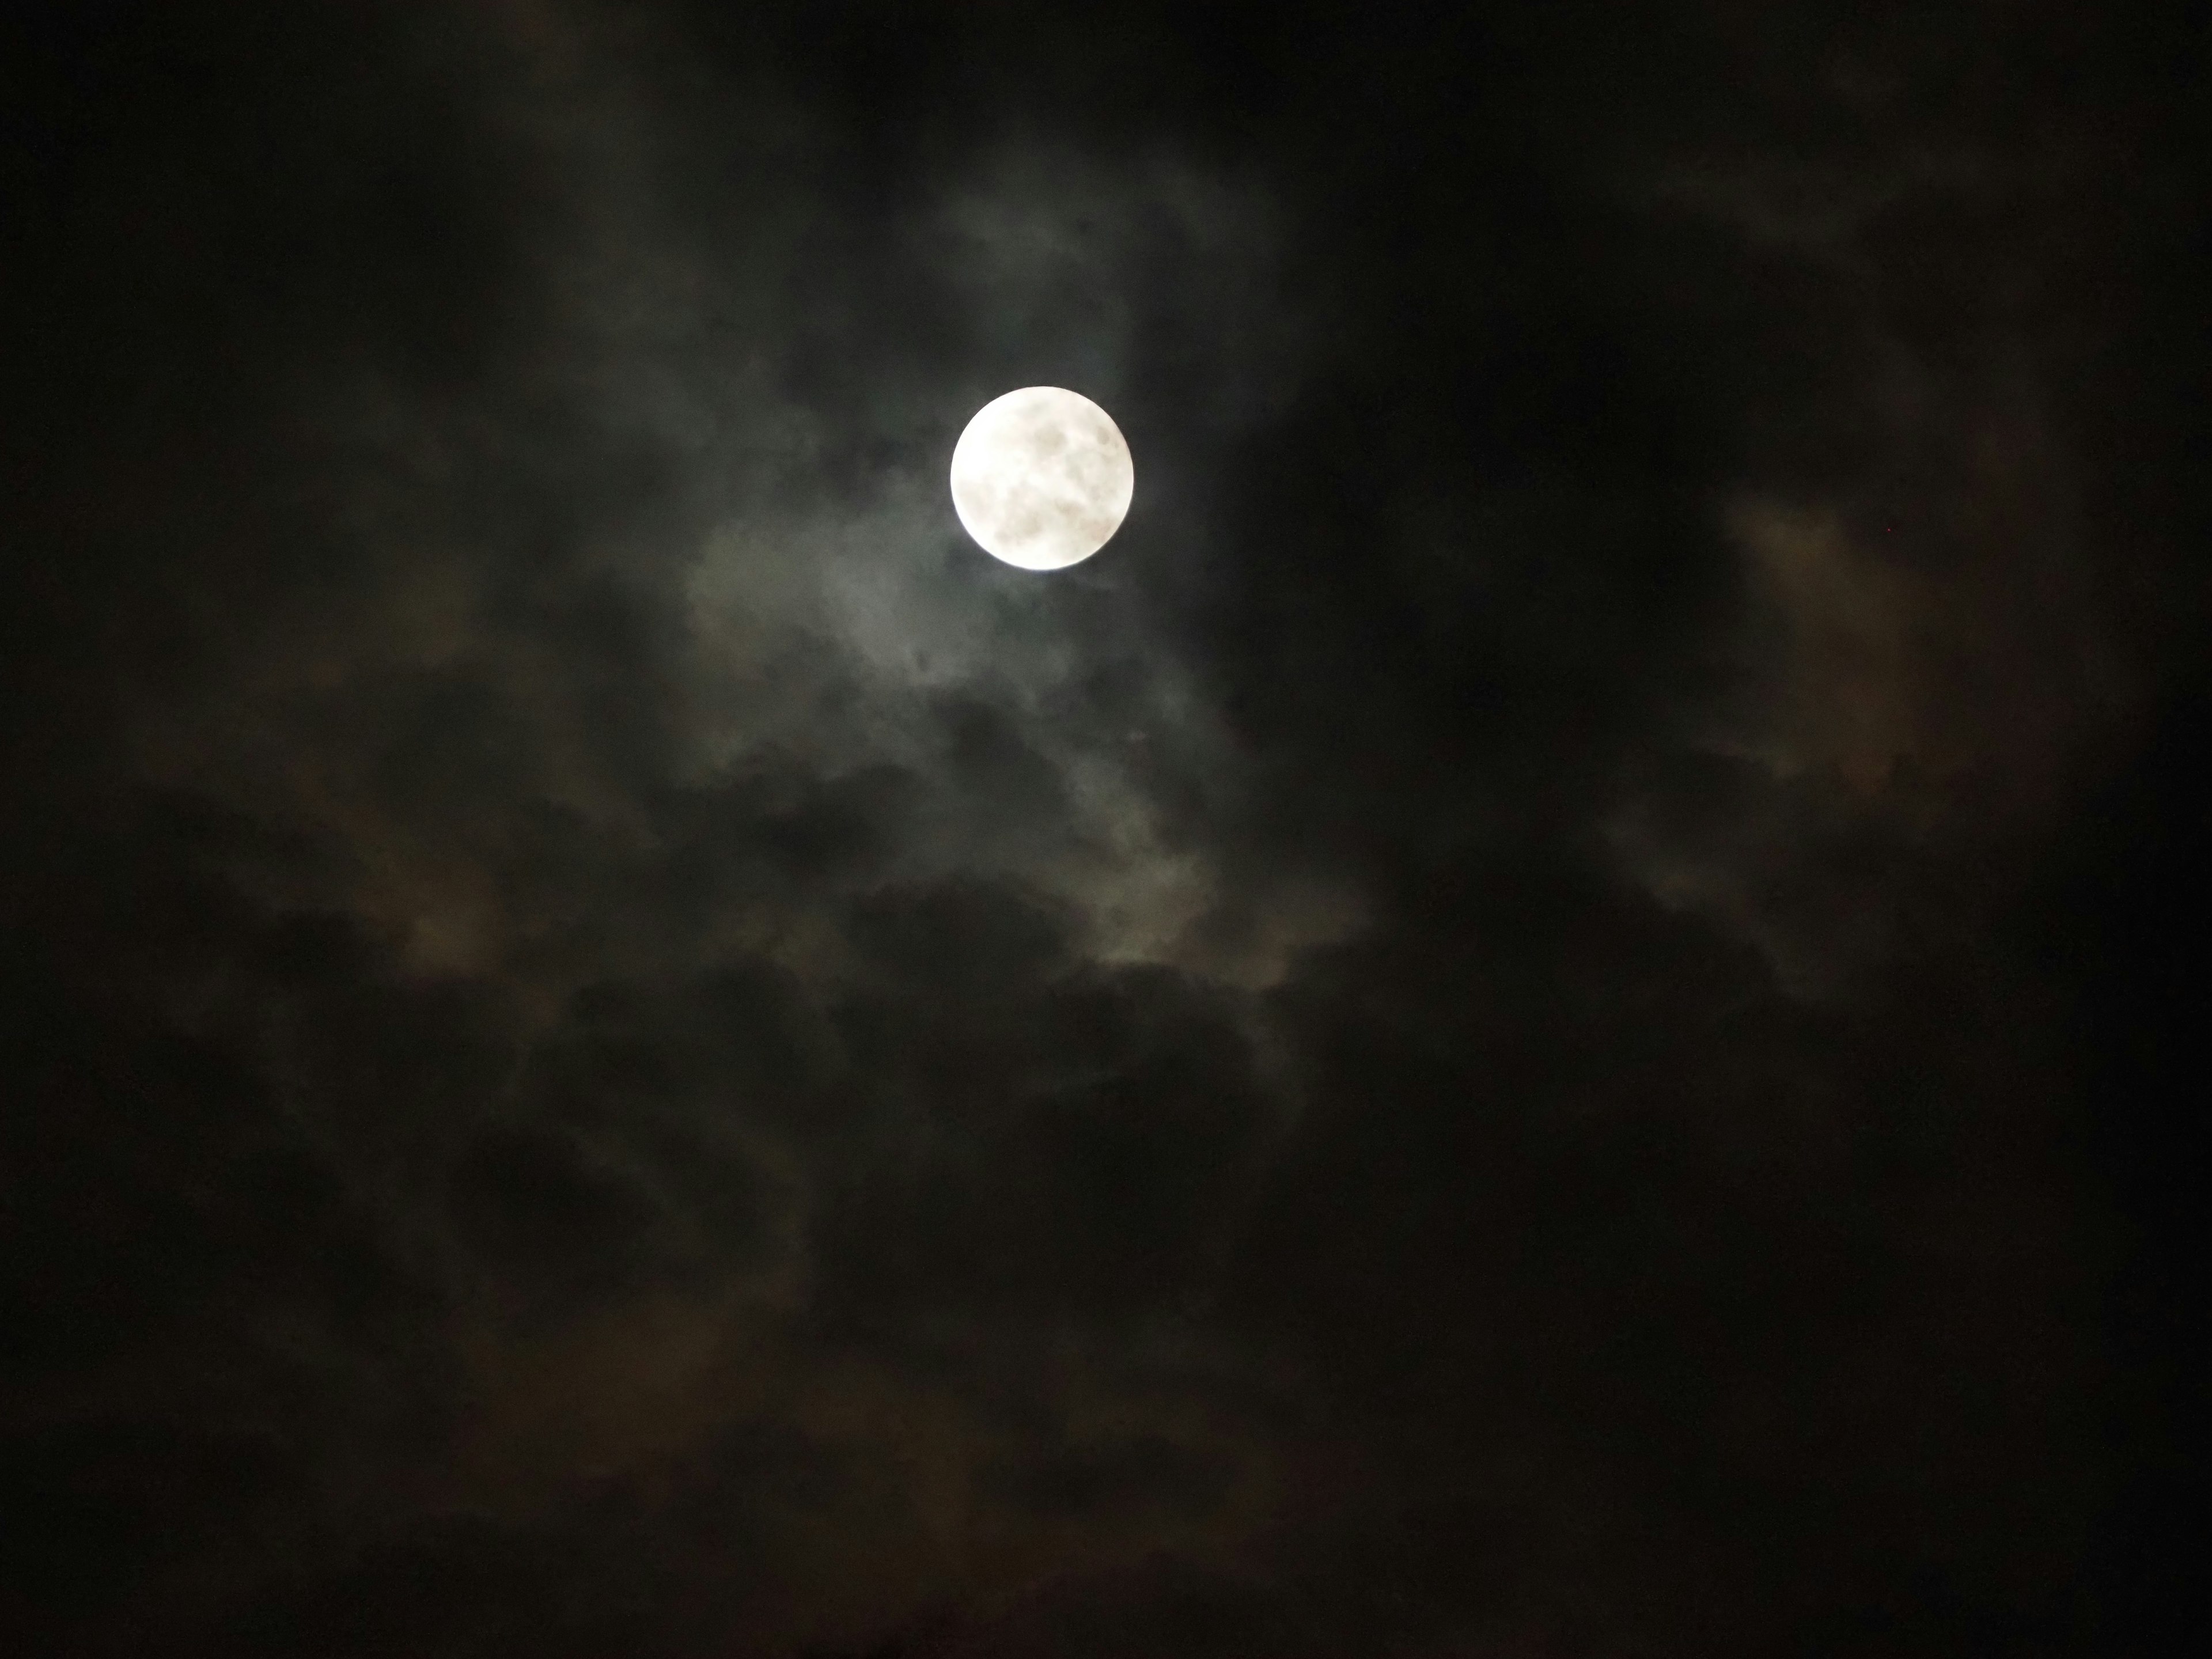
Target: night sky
1552, 1013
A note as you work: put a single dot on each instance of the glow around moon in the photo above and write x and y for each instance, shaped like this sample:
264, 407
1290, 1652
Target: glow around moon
1042, 478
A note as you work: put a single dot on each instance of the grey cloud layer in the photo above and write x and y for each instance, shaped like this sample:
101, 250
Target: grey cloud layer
625, 1045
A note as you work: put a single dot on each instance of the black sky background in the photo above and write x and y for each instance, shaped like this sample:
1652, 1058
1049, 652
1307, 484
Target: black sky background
1554, 1011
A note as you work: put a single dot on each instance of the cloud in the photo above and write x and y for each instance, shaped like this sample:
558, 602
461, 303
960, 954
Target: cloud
616, 1041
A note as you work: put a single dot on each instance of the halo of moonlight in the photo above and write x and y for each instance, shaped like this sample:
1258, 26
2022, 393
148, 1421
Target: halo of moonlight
1042, 478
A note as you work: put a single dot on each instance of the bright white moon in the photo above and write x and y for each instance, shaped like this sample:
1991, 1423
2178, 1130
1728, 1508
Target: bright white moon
1042, 478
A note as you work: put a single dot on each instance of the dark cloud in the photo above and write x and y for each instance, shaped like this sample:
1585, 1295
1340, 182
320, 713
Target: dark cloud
1549, 1012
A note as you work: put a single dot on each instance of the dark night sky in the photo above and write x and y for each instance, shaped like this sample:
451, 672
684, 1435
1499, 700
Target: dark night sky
1547, 1016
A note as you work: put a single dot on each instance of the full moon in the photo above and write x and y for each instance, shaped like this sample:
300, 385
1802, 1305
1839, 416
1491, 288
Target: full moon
1042, 478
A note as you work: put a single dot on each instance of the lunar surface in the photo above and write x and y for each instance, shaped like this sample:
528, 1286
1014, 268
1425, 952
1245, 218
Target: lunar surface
1042, 478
